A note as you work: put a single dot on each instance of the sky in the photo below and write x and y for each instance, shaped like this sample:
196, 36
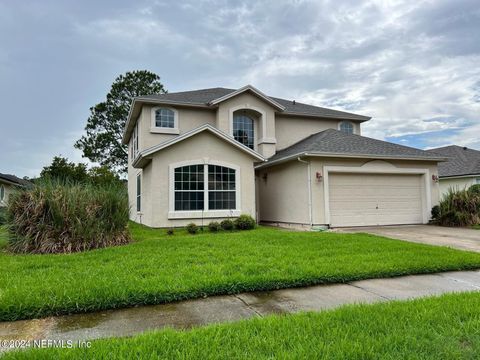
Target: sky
413, 66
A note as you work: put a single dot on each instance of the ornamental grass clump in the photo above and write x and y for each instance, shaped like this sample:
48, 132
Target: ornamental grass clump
58, 217
458, 208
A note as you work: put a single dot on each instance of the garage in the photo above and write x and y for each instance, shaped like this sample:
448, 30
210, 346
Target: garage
361, 199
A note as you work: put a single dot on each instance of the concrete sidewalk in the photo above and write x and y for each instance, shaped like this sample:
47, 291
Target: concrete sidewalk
217, 309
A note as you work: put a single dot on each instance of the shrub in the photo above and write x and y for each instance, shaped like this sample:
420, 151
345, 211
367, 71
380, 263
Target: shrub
3, 215
459, 208
170, 231
227, 224
214, 226
192, 228
474, 189
245, 222
435, 212
59, 217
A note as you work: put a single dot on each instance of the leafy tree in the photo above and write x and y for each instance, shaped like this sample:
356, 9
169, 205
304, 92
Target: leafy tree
102, 142
64, 170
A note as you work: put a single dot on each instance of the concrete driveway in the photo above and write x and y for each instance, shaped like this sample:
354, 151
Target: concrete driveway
459, 238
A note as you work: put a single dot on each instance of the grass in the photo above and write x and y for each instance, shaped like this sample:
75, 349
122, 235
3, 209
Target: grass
476, 227
158, 268
446, 327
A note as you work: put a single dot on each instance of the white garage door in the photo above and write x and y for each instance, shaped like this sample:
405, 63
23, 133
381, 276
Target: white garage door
375, 199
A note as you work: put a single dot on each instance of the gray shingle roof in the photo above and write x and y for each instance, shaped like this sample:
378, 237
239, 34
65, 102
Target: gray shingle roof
14, 179
204, 96
337, 142
461, 161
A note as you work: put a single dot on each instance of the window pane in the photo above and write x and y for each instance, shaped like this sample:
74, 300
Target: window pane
189, 187
346, 127
243, 130
164, 118
221, 200
139, 193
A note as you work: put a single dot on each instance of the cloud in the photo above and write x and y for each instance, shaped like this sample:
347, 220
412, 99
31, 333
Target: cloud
411, 65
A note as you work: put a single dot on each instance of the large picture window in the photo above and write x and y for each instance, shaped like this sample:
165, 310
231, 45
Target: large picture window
243, 130
204, 187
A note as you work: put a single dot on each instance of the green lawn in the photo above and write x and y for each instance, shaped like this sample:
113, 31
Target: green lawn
446, 327
477, 227
158, 268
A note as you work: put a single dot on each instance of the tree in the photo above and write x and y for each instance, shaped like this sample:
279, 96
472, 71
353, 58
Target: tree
102, 142
64, 170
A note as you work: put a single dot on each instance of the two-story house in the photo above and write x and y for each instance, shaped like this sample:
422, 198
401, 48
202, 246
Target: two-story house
204, 155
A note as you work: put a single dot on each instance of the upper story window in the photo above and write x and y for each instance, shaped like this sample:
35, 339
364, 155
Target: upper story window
135, 141
243, 130
164, 120
346, 127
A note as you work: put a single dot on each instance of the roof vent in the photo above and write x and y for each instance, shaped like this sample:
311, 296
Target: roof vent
465, 148
293, 102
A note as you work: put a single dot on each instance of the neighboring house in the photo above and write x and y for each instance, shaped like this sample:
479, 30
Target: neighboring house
204, 155
462, 169
8, 184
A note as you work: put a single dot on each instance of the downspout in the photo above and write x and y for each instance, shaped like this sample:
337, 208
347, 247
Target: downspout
309, 185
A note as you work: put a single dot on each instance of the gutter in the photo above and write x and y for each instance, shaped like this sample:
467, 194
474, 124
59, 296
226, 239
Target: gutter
309, 184
342, 155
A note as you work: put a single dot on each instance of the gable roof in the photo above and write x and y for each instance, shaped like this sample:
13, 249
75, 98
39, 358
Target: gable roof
248, 88
14, 180
209, 98
461, 161
143, 156
335, 143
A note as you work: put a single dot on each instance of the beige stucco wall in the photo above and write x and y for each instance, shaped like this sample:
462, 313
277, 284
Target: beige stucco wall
283, 193
204, 147
9, 189
278, 205
188, 119
290, 130
456, 184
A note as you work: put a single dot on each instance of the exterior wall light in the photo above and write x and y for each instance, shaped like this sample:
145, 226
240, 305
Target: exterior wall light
435, 178
319, 176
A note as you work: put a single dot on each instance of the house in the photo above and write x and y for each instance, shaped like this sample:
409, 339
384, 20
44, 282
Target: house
210, 154
462, 169
8, 184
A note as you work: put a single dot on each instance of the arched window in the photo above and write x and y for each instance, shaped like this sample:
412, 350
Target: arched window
2, 192
192, 188
164, 118
346, 127
243, 130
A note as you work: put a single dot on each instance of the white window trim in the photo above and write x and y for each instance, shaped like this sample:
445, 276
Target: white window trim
374, 168
197, 214
349, 122
163, 130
